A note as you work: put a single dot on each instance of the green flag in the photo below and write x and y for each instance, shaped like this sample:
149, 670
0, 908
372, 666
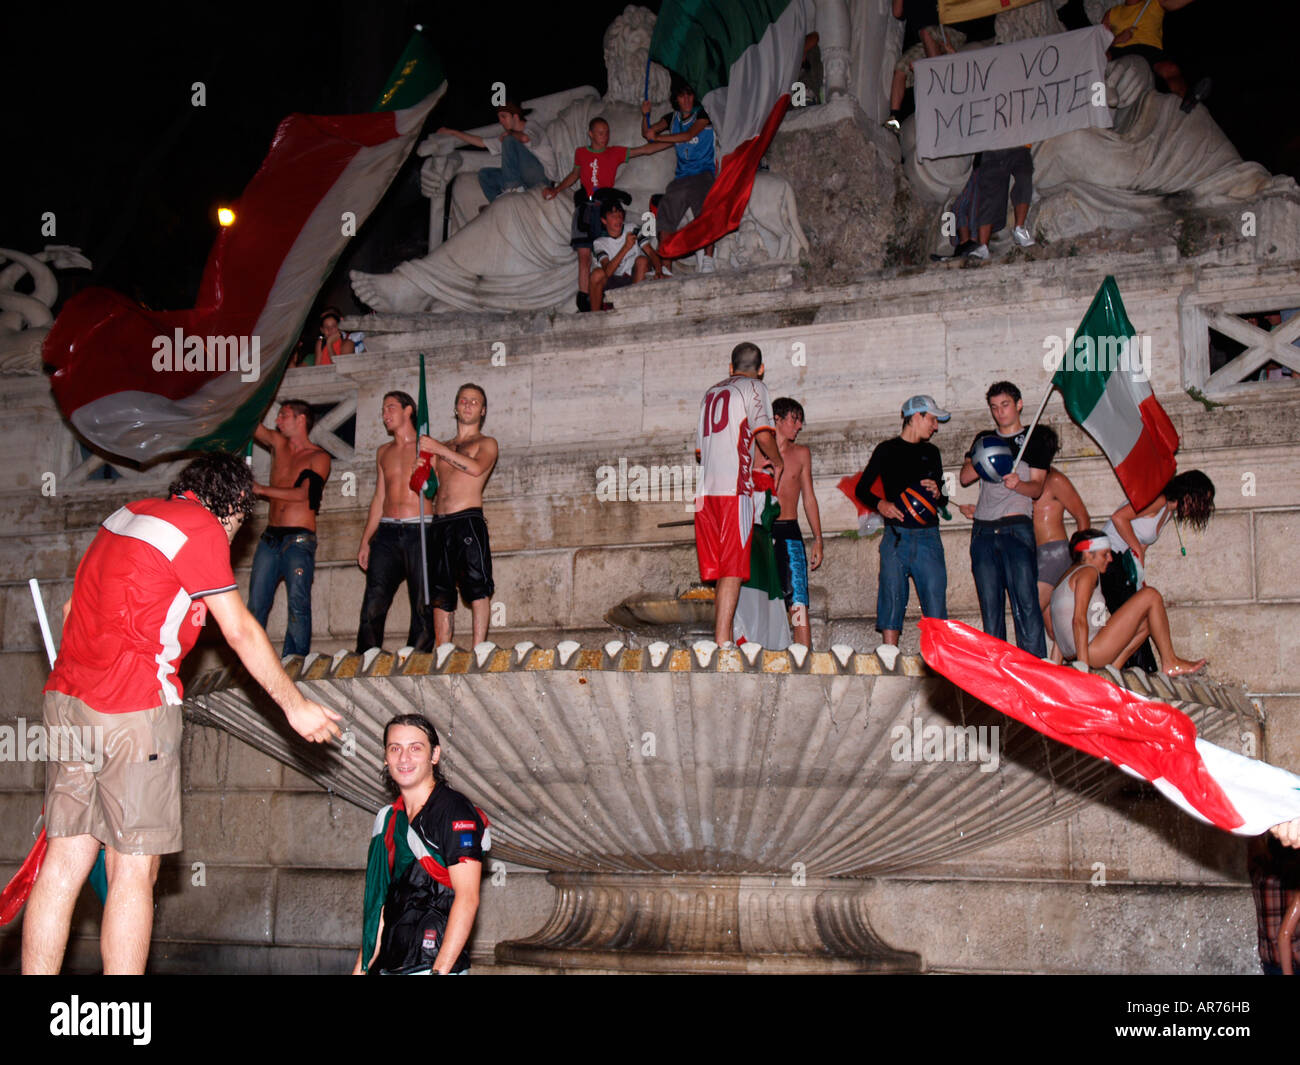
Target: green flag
422, 427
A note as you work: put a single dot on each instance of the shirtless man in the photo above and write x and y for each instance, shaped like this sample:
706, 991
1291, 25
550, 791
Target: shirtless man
791, 562
459, 553
287, 549
1059, 496
390, 542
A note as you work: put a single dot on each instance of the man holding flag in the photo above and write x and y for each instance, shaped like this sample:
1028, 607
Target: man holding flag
144, 587
392, 546
740, 57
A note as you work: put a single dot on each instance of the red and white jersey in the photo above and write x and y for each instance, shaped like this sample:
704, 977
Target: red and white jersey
133, 615
731, 413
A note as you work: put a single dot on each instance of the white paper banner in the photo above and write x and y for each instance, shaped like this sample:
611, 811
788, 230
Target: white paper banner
1011, 94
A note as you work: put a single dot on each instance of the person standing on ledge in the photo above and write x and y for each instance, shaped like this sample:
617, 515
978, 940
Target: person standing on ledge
287, 548
735, 417
1003, 553
909, 472
143, 589
460, 556
390, 542
792, 562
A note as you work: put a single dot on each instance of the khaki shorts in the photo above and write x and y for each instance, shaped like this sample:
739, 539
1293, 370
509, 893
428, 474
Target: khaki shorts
133, 804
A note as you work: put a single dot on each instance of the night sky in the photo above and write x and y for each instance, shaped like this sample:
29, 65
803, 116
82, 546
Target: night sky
101, 130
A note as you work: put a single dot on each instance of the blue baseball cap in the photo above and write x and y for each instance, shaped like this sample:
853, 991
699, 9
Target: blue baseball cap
925, 405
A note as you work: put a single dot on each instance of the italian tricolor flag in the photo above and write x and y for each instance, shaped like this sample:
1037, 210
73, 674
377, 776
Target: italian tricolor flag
140, 384
1107, 393
740, 57
760, 611
1145, 738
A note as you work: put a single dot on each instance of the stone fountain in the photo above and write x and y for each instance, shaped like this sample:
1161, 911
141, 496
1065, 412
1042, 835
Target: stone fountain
704, 810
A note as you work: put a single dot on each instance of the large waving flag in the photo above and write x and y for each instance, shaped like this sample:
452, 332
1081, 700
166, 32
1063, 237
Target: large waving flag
1106, 389
139, 384
740, 57
1145, 738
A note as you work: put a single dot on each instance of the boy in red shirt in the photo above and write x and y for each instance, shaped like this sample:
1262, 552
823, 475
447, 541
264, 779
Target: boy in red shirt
596, 166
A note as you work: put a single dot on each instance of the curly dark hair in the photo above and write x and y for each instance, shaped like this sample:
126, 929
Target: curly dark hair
222, 482
426, 726
1192, 496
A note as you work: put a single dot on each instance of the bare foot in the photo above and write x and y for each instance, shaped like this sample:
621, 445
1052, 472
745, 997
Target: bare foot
1182, 668
388, 292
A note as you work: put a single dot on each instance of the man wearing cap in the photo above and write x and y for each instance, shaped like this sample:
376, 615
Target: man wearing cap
523, 153
903, 483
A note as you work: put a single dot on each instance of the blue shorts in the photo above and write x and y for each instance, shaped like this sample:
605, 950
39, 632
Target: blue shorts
791, 563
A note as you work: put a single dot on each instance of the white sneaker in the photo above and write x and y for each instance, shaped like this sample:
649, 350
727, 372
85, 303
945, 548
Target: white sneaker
981, 252
706, 264
1022, 237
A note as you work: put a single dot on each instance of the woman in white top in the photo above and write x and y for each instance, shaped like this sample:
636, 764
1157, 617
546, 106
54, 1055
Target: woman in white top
1087, 633
1188, 498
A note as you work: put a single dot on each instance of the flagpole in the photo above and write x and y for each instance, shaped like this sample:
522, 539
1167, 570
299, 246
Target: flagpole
423, 427
424, 554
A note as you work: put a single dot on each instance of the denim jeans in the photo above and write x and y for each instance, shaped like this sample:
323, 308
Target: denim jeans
1004, 561
290, 558
915, 553
518, 167
394, 557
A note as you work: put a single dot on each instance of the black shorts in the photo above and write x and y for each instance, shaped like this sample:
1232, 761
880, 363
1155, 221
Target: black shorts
587, 225
460, 557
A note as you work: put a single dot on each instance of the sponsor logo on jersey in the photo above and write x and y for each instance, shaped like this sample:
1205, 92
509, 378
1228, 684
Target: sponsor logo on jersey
463, 826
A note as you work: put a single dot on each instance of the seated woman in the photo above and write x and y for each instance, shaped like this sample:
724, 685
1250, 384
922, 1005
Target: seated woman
1084, 629
1188, 498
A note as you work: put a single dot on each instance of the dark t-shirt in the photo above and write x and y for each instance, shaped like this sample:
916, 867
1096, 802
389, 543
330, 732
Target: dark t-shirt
996, 500
899, 466
418, 904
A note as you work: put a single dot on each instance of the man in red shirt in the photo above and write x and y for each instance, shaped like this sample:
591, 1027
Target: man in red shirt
597, 167
142, 592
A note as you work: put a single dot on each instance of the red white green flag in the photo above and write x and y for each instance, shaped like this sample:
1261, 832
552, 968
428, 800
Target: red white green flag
741, 58
1105, 383
1143, 737
140, 384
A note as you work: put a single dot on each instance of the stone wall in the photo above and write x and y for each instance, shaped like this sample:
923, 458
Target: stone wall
282, 862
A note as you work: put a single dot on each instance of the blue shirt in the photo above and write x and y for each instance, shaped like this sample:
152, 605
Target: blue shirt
694, 156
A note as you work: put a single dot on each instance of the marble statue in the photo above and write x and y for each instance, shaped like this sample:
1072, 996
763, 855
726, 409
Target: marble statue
1154, 158
514, 254
25, 319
